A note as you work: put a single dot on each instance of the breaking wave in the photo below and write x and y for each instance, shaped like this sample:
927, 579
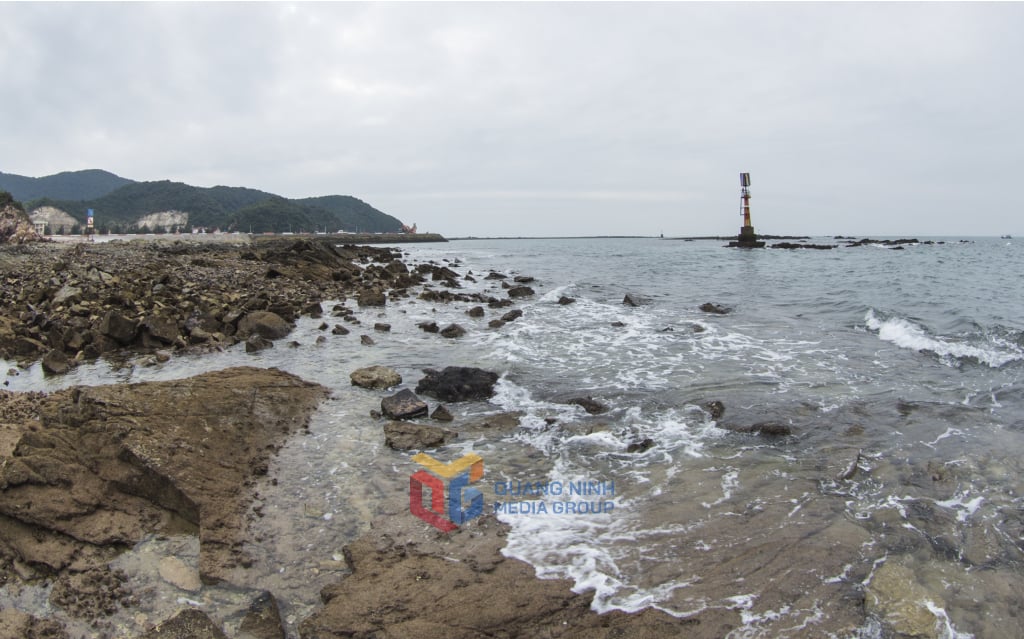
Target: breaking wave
992, 350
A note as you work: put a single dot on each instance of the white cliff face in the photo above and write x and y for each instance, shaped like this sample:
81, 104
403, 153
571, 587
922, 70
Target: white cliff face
57, 220
166, 220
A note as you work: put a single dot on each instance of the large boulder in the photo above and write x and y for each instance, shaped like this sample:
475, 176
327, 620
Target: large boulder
458, 384
263, 323
379, 377
118, 328
371, 297
403, 405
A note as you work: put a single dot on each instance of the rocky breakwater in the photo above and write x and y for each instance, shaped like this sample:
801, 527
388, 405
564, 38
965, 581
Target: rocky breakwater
66, 304
96, 469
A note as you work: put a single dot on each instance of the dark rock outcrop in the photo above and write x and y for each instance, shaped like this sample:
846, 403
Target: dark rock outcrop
520, 291
589, 404
714, 309
458, 384
453, 331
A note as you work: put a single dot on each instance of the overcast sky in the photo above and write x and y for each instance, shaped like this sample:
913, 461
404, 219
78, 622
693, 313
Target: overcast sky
537, 118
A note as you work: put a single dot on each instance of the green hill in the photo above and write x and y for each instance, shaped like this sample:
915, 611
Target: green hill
69, 185
224, 207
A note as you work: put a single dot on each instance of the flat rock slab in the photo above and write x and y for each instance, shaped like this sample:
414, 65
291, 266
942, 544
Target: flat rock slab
409, 581
408, 436
111, 464
177, 573
187, 624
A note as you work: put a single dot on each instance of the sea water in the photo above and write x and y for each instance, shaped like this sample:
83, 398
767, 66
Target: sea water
900, 366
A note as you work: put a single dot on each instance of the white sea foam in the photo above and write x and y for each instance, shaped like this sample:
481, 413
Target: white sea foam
906, 334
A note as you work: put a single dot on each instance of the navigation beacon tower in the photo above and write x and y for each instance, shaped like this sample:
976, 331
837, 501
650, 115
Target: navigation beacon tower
746, 238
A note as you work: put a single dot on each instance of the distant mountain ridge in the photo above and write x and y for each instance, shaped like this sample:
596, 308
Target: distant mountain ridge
119, 204
68, 185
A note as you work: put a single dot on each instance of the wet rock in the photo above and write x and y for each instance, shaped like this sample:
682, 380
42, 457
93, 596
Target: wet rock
371, 297
263, 323
476, 311
497, 422
442, 414
714, 309
453, 331
851, 469
618, 324
403, 405
640, 446
432, 585
262, 620
313, 309
631, 299
381, 327
715, 408
56, 363
458, 384
589, 404
771, 429
493, 275
91, 594
118, 328
366, 340
565, 301
375, 377
339, 330
257, 343
496, 323
523, 279
895, 596
407, 436
189, 623
177, 573
512, 315
429, 327
517, 292
17, 625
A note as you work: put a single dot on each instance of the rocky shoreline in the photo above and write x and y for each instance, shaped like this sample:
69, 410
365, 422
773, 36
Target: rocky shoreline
87, 472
